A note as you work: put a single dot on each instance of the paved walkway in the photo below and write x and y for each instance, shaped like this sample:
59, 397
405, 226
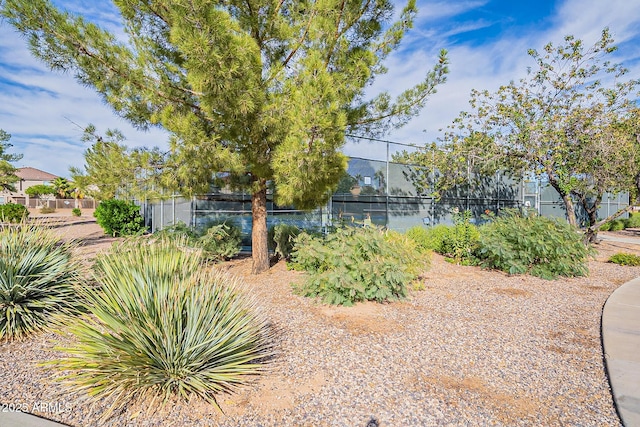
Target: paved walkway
621, 342
20, 419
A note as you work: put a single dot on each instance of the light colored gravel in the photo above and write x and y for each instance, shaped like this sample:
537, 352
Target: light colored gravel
474, 348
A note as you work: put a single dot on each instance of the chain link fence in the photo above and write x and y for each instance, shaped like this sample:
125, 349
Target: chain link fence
385, 193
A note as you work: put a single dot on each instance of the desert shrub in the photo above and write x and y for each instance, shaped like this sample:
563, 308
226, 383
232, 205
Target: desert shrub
421, 237
458, 241
76, 212
38, 278
463, 240
119, 217
161, 327
47, 210
12, 212
633, 221
281, 239
605, 227
533, 244
357, 264
178, 231
221, 241
616, 225
625, 259
436, 238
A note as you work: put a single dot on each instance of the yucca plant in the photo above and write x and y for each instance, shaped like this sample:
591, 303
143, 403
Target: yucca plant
160, 328
39, 278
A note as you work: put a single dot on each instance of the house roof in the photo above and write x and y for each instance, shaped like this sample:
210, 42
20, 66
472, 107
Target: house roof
33, 174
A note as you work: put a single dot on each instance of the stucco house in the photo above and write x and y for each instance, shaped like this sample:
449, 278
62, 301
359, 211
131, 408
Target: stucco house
28, 177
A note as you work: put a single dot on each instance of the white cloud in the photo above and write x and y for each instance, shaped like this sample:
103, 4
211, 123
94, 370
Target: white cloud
44, 111
487, 66
430, 11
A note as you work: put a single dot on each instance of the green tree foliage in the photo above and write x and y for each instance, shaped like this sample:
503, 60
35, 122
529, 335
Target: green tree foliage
63, 189
8, 175
566, 122
163, 329
113, 170
39, 278
540, 246
261, 90
40, 190
119, 217
357, 264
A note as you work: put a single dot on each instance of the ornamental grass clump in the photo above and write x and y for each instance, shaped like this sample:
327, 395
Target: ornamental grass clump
543, 247
160, 327
39, 278
358, 264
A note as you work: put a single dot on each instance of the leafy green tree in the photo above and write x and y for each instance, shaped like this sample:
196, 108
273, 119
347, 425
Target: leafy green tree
40, 190
8, 175
113, 170
261, 90
561, 123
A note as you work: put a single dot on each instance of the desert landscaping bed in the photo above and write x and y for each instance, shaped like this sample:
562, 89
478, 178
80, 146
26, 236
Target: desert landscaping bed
474, 348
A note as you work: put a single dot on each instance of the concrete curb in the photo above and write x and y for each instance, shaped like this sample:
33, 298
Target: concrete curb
22, 419
621, 344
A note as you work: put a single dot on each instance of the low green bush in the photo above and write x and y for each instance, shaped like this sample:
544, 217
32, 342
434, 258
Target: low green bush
39, 276
458, 241
162, 328
625, 259
12, 212
76, 212
282, 238
463, 240
616, 225
633, 221
357, 264
221, 241
436, 238
421, 237
605, 227
218, 241
119, 217
47, 210
540, 246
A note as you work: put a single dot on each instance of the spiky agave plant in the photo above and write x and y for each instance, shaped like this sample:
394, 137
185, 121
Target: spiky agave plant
160, 328
39, 279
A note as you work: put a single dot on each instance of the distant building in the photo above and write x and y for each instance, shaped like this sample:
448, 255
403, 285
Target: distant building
28, 177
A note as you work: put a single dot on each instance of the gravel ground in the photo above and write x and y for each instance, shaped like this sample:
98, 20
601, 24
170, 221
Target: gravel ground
474, 348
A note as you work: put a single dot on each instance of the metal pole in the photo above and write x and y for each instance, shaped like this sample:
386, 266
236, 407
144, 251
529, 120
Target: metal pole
387, 189
433, 185
173, 208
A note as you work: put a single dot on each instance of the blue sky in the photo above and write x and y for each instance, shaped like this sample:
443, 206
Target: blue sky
487, 42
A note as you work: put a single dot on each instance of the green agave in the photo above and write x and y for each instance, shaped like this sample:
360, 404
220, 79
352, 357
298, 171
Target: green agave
39, 279
160, 328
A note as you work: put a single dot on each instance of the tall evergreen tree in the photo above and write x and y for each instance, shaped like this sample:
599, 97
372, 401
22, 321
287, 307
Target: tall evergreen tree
261, 89
8, 175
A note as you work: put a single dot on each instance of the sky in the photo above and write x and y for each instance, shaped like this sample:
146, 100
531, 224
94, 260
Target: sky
487, 41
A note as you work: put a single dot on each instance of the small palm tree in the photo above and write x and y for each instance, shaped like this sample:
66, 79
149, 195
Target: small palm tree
63, 188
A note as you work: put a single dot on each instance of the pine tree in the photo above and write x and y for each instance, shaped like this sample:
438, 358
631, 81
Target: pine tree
262, 90
8, 175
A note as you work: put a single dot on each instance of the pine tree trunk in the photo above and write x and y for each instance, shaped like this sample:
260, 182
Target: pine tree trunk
259, 247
